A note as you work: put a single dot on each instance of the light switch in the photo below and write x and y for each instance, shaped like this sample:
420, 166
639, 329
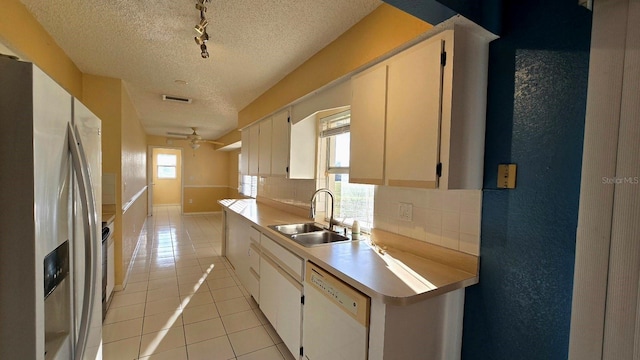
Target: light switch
506, 176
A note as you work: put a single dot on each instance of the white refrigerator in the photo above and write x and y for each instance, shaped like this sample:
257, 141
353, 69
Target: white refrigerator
50, 196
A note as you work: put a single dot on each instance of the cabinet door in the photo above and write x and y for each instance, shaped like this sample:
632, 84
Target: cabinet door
269, 297
244, 152
264, 157
280, 144
289, 316
368, 104
254, 149
302, 152
413, 116
280, 301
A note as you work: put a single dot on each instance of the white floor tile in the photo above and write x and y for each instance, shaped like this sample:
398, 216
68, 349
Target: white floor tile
250, 340
120, 300
121, 330
193, 314
240, 321
226, 293
214, 349
162, 306
175, 354
124, 313
204, 330
161, 341
162, 321
270, 353
121, 350
232, 306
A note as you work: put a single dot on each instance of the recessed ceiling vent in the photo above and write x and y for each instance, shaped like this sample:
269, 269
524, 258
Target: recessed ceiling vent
176, 99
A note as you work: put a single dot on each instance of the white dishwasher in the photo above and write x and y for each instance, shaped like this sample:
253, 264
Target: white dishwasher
336, 318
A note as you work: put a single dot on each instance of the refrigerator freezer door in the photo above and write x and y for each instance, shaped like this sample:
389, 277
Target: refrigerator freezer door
87, 131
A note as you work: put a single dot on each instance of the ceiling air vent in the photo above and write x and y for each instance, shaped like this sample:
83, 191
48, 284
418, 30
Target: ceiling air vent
176, 99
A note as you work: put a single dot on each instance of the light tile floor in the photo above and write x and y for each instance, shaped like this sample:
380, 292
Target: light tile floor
183, 301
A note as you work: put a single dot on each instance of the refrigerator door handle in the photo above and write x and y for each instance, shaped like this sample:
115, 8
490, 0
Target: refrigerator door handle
78, 159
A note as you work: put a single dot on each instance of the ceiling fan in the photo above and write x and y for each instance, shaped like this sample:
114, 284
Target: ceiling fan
194, 139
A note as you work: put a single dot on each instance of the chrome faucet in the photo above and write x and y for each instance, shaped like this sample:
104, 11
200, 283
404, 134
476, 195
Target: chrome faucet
312, 213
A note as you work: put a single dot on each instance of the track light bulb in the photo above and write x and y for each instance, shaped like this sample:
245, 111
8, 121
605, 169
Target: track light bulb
202, 38
201, 7
204, 53
200, 28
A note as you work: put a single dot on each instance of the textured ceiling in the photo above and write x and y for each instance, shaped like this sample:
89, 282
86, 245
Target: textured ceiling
150, 44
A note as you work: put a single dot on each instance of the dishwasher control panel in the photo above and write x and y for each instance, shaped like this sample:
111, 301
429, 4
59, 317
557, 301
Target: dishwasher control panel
348, 303
351, 301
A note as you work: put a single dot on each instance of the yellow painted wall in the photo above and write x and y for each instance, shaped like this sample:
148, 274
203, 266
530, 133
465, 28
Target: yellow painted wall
134, 150
204, 199
123, 154
132, 223
21, 33
167, 191
205, 172
229, 138
383, 30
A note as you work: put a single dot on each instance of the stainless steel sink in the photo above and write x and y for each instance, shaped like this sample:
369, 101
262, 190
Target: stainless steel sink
318, 238
309, 234
291, 229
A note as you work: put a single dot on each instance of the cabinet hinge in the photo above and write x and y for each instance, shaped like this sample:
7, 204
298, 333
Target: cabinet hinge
288, 119
301, 352
439, 169
302, 299
443, 58
287, 169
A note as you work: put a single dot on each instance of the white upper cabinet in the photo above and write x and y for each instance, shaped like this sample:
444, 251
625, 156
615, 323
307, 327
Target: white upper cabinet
244, 152
413, 116
302, 148
265, 141
418, 118
368, 102
254, 149
280, 144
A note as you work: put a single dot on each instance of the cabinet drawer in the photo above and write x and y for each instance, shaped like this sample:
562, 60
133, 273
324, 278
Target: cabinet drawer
254, 258
253, 285
254, 236
286, 259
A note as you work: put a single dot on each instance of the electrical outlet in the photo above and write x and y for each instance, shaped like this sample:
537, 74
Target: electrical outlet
405, 211
190, 201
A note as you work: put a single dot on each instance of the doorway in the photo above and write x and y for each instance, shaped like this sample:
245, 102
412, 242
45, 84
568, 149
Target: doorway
165, 172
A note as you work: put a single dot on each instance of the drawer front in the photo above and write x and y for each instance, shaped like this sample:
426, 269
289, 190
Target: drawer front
254, 285
285, 258
254, 236
254, 258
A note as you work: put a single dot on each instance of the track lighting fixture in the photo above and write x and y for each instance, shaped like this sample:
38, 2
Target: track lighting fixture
201, 29
204, 53
202, 38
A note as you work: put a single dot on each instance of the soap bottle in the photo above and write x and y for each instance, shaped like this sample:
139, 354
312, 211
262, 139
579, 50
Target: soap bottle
355, 230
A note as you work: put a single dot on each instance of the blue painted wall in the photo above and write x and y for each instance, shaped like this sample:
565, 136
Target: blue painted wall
537, 89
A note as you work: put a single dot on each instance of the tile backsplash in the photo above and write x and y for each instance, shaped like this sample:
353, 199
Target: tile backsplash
450, 218
292, 192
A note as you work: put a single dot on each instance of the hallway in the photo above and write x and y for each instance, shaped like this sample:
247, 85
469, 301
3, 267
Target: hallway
183, 301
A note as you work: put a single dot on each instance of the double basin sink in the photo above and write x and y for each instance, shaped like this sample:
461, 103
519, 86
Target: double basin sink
309, 234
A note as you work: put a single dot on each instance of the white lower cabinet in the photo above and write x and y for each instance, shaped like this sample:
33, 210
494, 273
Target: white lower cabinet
281, 302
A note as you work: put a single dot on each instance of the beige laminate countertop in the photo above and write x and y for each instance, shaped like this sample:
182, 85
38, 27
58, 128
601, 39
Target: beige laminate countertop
396, 277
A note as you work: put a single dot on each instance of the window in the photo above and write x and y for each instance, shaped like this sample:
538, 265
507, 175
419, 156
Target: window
352, 201
166, 166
